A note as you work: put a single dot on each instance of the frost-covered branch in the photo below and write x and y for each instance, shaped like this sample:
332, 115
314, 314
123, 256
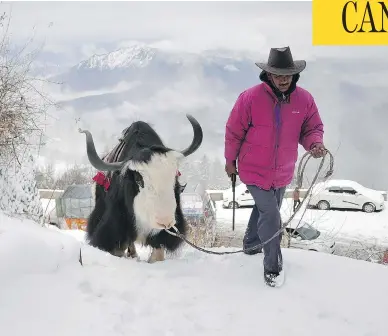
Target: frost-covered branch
22, 103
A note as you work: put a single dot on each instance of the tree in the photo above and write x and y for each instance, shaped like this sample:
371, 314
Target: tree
218, 178
19, 192
75, 174
204, 172
188, 174
22, 104
45, 177
23, 107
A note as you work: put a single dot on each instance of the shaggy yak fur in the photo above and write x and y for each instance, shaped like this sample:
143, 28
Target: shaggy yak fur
118, 220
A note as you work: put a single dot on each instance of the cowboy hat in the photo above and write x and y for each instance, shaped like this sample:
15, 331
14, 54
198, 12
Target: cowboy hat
280, 62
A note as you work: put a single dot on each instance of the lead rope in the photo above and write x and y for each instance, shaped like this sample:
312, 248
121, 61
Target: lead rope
300, 173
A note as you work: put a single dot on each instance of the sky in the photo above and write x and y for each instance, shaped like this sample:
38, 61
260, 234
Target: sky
81, 29
191, 26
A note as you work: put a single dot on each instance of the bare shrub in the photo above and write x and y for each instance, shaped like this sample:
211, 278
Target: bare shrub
23, 106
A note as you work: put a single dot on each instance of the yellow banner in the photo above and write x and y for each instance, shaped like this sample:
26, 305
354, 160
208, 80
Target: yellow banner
341, 22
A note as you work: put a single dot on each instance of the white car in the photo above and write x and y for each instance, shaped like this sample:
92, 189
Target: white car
343, 194
243, 197
306, 237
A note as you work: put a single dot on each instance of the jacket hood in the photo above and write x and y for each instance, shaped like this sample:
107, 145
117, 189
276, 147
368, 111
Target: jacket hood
280, 95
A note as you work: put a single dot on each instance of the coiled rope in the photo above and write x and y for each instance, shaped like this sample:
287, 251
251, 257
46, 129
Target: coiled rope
300, 173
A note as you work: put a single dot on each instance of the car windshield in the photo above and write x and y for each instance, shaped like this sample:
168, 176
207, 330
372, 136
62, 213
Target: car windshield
307, 232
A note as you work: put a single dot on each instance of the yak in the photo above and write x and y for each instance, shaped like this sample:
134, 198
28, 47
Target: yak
142, 200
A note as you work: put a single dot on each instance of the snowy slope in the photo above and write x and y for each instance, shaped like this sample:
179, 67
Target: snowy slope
28, 249
45, 291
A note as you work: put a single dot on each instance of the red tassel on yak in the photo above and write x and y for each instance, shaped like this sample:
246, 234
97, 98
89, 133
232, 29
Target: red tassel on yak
102, 180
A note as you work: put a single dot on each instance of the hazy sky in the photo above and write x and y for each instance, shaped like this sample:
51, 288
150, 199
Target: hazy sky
85, 28
193, 26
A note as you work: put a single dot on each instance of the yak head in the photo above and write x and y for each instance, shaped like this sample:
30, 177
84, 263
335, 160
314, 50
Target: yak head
153, 169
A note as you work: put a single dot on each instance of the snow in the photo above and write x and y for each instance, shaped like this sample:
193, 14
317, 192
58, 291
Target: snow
134, 56
44, 287
27, 248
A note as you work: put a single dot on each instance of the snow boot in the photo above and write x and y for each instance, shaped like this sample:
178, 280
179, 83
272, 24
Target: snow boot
273, 279
253, 252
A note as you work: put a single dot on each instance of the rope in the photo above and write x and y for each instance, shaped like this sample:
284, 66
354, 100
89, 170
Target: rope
300, 173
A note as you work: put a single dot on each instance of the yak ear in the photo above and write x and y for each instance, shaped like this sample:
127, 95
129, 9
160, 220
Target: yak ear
131, 169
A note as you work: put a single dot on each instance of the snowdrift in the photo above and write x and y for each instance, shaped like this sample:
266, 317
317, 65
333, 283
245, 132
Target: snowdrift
26, 248
45, 291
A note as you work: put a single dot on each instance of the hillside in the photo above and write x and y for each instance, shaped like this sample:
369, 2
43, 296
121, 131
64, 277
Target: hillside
46, 288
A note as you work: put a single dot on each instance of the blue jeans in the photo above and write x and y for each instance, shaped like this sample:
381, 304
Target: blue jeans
264, 222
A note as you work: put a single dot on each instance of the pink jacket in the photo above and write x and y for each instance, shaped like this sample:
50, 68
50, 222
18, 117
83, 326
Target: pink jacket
264, 134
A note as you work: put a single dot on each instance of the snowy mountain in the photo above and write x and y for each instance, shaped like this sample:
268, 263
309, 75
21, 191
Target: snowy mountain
111, 90
156, 67
135, 56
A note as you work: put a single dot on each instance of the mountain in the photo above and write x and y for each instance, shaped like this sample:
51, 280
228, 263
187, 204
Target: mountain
155, 68
108, 92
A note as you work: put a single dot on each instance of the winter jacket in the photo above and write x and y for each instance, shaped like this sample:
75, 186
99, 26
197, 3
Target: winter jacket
263, 133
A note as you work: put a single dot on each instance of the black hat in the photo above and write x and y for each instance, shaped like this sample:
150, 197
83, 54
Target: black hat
280, 62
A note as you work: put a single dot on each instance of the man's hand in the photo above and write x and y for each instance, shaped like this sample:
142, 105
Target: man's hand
318, 150
230, 168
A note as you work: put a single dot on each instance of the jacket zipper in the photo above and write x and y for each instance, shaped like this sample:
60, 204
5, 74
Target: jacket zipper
277, 121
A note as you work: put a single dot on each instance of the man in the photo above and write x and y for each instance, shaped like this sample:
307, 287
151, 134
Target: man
263, 131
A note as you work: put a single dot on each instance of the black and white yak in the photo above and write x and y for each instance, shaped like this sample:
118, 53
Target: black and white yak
143, 196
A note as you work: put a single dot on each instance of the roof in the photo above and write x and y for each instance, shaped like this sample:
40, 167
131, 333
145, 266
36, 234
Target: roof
78, 191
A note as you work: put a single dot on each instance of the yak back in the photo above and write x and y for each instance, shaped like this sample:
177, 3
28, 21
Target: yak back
134, 142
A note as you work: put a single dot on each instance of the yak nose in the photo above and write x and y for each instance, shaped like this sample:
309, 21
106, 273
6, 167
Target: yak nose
165, 222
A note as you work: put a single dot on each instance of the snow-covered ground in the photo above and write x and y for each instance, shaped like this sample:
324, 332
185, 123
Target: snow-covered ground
345, 225
45, 291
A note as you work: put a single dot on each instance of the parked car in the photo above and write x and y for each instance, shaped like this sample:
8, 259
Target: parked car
192, 204
196, 207
344, 194
306, 237
200, 214
243, 197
